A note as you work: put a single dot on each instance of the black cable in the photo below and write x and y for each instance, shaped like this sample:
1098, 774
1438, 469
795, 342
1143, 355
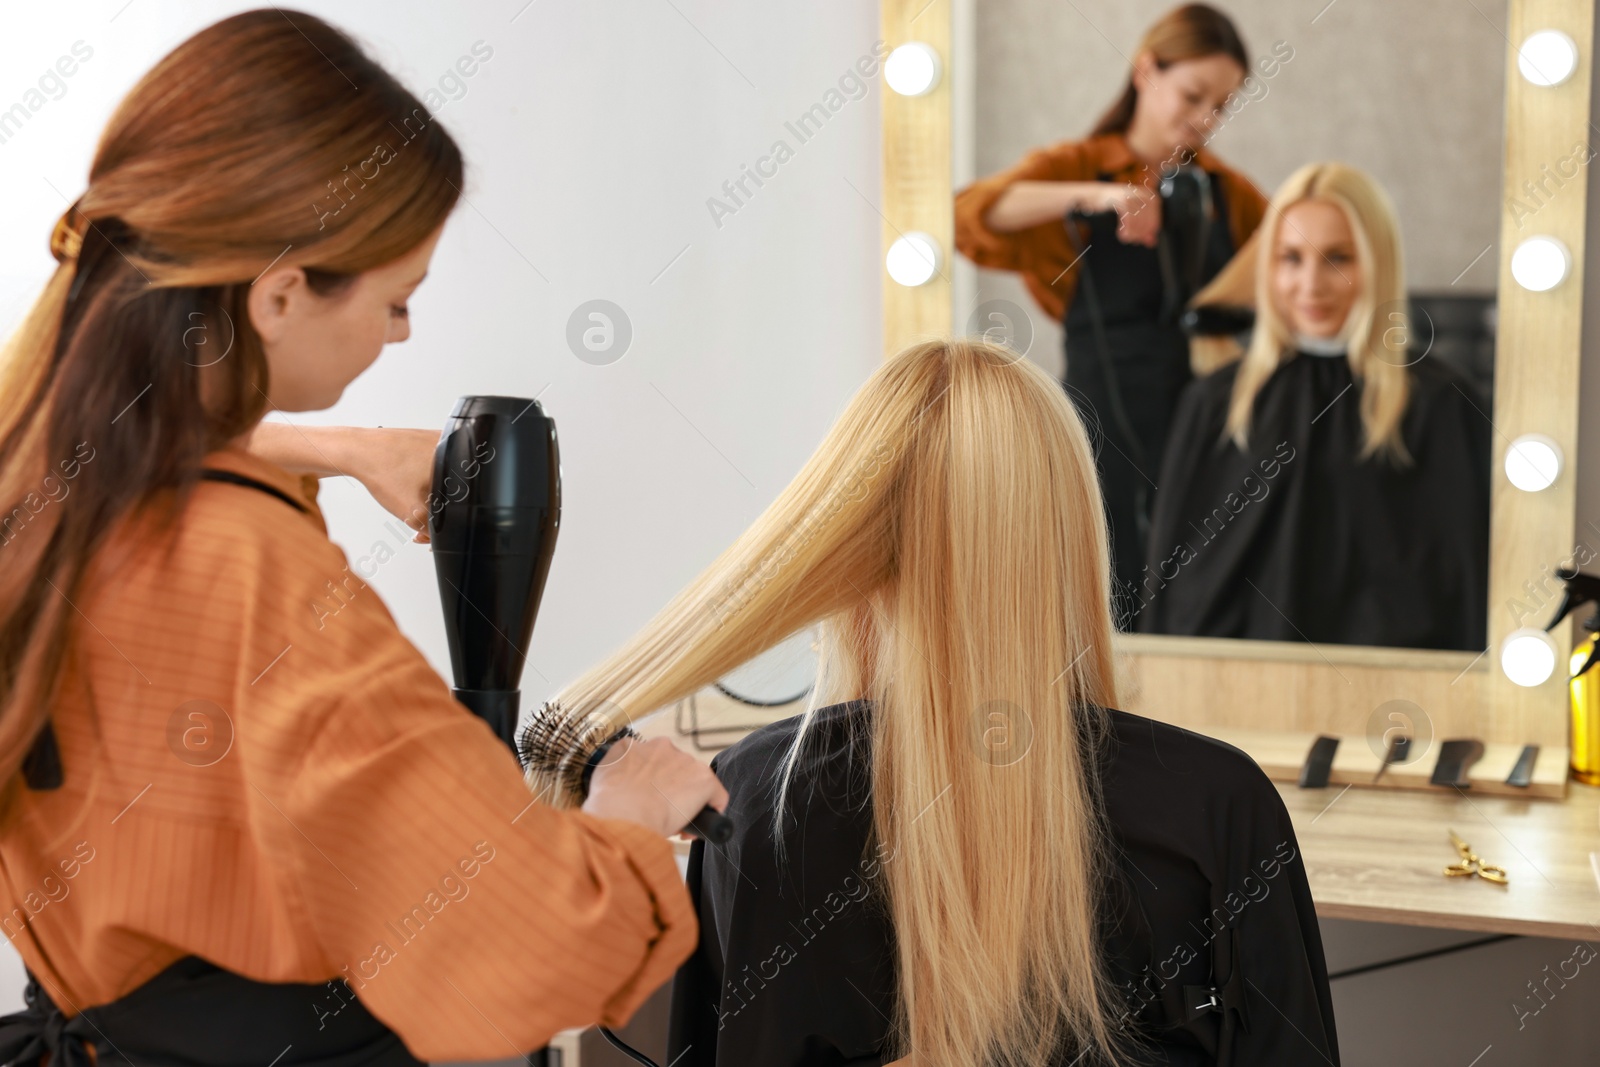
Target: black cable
626, 1049
1176, 293
1119, 413
1416, 956
754, 703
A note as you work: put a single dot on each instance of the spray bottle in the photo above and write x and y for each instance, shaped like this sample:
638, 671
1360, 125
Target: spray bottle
1583, 589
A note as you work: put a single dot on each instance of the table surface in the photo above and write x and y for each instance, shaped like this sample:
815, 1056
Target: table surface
1379, 856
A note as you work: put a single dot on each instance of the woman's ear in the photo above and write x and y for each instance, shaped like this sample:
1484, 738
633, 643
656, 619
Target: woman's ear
274, 299
1144, 68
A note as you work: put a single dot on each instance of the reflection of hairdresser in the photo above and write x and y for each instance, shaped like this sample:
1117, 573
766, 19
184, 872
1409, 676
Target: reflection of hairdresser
1333, 484
978, 861
1141, 259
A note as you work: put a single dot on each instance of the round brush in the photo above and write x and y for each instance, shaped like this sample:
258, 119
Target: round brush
566, 751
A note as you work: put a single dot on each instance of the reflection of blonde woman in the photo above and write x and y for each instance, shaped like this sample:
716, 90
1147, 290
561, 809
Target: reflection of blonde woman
1332, 484
970, 842
1116, 277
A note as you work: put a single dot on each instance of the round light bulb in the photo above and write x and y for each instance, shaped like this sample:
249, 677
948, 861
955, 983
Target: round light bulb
1540, 263
1547, 57
1528, 656
1533, 462
913, 259
912, 69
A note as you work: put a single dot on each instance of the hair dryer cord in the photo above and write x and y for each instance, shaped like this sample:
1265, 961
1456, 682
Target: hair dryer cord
626, 1049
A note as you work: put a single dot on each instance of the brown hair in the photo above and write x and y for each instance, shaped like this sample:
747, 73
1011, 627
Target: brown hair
253, 143
1192, 31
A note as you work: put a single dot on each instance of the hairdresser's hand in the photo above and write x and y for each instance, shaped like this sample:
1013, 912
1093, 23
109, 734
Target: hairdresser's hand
652, 783
396, 466
1138, 213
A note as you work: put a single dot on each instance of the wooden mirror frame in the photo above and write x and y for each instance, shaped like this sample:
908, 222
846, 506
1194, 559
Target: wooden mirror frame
1272, 698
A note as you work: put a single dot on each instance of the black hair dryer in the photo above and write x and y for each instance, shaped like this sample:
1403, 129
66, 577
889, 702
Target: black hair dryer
493, 519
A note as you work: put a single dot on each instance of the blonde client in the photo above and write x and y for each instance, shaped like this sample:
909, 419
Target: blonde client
1330, 483
962, 853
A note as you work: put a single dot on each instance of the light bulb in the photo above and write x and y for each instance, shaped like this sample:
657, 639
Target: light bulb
1528, 656
912, 69
1533, 462
1547, 57
1540, 263
913, 259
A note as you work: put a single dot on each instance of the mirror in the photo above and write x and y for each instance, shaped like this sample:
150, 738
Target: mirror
770, 687
1356, 509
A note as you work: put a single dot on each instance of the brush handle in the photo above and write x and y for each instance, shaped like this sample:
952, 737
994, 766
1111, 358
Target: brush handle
712, 825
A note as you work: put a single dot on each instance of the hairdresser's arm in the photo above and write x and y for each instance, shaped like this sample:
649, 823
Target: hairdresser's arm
395, 466
1029, 203
470, 917
1011, 220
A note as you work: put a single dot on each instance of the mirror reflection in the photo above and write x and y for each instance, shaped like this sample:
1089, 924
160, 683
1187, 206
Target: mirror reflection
1260, 249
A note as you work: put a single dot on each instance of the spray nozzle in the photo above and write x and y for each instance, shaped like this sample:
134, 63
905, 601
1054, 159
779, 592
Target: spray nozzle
1580, 589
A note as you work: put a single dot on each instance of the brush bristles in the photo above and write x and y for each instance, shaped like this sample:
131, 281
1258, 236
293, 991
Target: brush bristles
556, 747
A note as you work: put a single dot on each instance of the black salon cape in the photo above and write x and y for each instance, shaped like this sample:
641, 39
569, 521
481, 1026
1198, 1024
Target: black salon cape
1297, 540
796, 963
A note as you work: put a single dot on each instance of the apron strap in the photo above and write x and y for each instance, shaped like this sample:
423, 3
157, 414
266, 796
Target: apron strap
41, 1030
211, 474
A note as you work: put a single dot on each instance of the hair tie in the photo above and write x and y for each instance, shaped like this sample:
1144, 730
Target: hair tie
66, 240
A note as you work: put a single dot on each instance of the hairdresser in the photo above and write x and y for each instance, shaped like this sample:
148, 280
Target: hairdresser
238, 826
1083, 222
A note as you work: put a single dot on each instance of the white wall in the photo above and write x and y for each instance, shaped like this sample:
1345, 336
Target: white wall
594, 136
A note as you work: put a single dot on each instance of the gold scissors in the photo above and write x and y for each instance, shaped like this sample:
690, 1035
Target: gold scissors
1472, 864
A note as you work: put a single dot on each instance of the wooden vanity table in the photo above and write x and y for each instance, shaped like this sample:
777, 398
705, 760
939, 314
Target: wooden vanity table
1379, 856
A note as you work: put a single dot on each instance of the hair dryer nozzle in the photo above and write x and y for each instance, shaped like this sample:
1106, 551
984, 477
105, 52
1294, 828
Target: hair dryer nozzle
1217, 320
493, 519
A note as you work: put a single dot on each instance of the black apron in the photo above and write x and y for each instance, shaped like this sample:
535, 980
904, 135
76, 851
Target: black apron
1127, 362
196, 1013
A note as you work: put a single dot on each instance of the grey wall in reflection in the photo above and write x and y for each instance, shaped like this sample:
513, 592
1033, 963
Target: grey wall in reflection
1412, 92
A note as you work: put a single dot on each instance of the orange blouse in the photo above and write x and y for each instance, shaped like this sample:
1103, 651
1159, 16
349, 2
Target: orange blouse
1042, 254
272, 778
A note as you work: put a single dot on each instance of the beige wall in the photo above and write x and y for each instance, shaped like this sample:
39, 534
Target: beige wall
1409, 90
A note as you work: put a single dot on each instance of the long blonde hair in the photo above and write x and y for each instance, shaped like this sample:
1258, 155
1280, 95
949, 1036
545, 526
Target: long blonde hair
1377, 348
949, 537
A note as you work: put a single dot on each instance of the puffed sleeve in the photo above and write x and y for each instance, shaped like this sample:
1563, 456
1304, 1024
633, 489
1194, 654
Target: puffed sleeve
472, 920
783, 941
1278, 1005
